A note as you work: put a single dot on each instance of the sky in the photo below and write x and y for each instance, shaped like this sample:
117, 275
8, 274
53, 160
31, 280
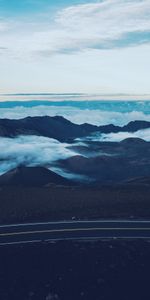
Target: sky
75, 46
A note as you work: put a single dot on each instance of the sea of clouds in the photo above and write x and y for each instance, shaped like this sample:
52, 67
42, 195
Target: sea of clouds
76, 115
42, 151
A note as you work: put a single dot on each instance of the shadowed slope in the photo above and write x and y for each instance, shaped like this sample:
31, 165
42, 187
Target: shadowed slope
31, 176
61, 129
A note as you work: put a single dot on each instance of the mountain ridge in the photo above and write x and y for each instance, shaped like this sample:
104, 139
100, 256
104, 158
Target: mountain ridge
60, 128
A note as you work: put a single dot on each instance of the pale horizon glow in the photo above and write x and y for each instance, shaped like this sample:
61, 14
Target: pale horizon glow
56, 97
98, 48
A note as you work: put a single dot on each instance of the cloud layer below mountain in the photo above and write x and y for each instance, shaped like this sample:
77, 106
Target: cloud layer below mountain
41, 151
118, 137
77, 115
30, 151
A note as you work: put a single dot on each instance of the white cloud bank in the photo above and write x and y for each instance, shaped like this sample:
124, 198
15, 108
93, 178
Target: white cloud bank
103, 24
76, 115
30, 151
120, 136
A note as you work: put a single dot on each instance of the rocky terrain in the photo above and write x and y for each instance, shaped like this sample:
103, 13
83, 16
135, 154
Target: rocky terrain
54, 202
72, 270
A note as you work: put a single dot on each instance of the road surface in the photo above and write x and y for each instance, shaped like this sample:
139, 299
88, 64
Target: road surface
50, 231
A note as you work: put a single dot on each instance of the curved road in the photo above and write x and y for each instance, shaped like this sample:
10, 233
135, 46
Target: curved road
50, 231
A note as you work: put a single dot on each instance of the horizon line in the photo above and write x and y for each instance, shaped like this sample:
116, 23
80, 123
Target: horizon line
75, 93
20, 97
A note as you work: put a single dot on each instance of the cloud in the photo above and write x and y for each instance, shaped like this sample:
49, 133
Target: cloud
106, 24
3, 48
3, 26
31, 151
35, 151
101, 116
120, 136
101, 25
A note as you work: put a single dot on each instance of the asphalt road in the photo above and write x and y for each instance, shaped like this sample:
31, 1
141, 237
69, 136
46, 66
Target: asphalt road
37, 232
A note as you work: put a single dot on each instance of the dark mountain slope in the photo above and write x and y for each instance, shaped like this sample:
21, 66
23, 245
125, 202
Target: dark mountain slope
54, 127
31, 176
59, 128
136, 125
128, 159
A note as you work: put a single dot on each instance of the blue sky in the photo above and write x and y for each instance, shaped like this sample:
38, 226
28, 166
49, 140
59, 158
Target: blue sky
75, 46
22, 7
